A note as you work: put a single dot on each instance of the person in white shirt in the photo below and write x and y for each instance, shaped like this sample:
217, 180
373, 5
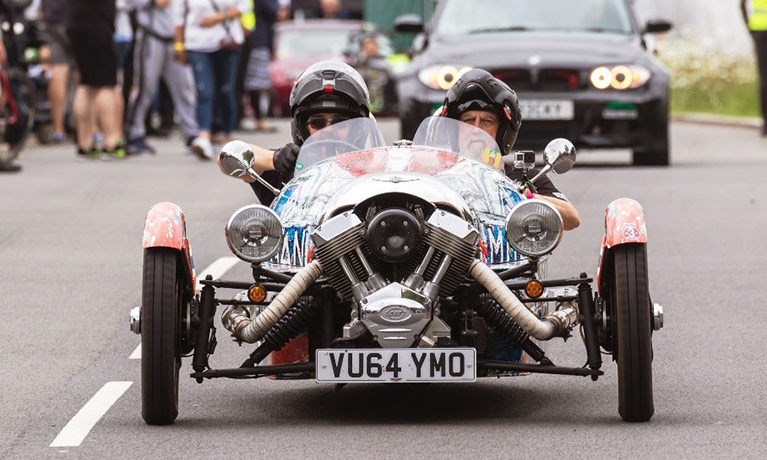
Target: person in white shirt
208, 34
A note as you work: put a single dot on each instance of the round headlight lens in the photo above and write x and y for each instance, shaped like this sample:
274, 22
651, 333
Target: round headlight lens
254, 233
534, 228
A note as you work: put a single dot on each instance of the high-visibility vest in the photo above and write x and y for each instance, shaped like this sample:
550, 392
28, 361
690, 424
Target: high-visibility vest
757, 15
248, 19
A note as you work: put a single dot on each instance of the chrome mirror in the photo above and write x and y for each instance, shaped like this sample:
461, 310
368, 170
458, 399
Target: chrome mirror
560, 155
236, 159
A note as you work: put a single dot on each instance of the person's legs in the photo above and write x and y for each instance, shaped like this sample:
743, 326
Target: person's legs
57, 93
760, 45
147, 67
85, 125
202, 66
258, 82
108, 108
60, 60
180, 82
225, 69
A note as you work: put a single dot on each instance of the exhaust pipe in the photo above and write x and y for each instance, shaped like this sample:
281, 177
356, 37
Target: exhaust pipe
251, 330
550, 326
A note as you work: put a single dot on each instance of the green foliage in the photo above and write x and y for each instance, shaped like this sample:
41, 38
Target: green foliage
709, 80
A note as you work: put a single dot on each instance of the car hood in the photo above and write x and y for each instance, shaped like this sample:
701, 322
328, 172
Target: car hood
571, 49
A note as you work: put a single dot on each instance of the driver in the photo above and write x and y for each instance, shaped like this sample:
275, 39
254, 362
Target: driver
479, 99
326, 93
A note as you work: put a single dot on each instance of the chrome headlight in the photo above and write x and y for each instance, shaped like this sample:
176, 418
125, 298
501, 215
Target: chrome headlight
254, 233
534, 228
619, 77
441, 77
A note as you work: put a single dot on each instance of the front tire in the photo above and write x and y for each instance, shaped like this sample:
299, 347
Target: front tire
161, 307
632, 316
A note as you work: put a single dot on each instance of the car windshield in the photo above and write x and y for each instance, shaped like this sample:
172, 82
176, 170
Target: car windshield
310, 43
461, 17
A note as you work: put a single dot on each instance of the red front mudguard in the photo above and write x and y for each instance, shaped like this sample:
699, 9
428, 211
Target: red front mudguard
624, 223
165, 227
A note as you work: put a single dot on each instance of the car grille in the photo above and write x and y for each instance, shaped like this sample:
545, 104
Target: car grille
557, 80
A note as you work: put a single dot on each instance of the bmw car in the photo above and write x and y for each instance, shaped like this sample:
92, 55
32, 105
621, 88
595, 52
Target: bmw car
583, 69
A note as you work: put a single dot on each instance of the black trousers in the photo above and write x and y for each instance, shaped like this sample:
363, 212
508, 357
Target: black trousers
760, 45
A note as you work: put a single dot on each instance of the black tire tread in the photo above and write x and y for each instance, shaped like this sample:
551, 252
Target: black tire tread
634, 333
159, 323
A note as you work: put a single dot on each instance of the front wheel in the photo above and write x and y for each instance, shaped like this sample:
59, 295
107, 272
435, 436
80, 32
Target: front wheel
631, 317
161, 308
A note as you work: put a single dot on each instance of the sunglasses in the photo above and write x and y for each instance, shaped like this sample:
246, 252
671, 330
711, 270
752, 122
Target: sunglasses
319, 122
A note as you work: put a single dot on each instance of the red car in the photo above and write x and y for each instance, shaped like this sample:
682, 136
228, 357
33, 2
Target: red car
298, 44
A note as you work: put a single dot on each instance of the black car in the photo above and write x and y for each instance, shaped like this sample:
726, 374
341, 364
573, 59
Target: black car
581, 68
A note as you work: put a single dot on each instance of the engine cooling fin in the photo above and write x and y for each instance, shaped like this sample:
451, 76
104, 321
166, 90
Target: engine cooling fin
497, 317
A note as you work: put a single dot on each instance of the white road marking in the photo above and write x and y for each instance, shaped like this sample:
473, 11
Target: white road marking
73, 434
136, 353
217, 269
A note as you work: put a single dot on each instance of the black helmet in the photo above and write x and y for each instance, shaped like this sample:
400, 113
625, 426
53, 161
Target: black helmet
326, 86
477, 89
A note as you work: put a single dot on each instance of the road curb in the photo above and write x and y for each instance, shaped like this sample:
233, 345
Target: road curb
721, 120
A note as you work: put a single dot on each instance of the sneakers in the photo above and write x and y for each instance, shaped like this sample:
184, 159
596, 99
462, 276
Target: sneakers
9, 167
117, 152
92, 154
203, 148
95, 153
139, 146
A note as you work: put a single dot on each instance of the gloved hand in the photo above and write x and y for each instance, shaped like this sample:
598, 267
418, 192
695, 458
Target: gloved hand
285, 160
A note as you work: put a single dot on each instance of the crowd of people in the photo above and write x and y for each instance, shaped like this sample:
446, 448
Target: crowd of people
114, 67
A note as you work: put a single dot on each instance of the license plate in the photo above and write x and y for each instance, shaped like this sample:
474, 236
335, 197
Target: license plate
540, 109
392, 365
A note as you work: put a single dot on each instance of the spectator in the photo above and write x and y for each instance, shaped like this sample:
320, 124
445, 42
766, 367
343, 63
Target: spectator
54, 14
755, 16
208, 33
258, 82
8, 58
98, 101
153, 59
332, 9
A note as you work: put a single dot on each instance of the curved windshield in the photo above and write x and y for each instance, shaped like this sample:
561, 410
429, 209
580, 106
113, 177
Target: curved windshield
343, 137
461, 17
462, 138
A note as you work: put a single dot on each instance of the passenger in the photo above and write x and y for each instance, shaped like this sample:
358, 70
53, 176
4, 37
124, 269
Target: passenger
480, 99
312, 107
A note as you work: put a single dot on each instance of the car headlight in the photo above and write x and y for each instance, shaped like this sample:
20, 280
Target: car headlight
619, 77
441, 76
254, 233
534, 228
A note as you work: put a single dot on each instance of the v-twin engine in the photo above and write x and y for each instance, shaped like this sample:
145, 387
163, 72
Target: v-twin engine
396, 299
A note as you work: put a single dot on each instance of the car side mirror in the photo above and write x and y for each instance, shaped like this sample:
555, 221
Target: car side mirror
236, 160
560, 155
408, 24
654, 26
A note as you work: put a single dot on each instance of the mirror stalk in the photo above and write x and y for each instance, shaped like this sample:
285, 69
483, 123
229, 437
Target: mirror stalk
254, 175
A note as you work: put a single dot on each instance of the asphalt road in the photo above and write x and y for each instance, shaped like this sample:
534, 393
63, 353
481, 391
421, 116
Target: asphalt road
70, 270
